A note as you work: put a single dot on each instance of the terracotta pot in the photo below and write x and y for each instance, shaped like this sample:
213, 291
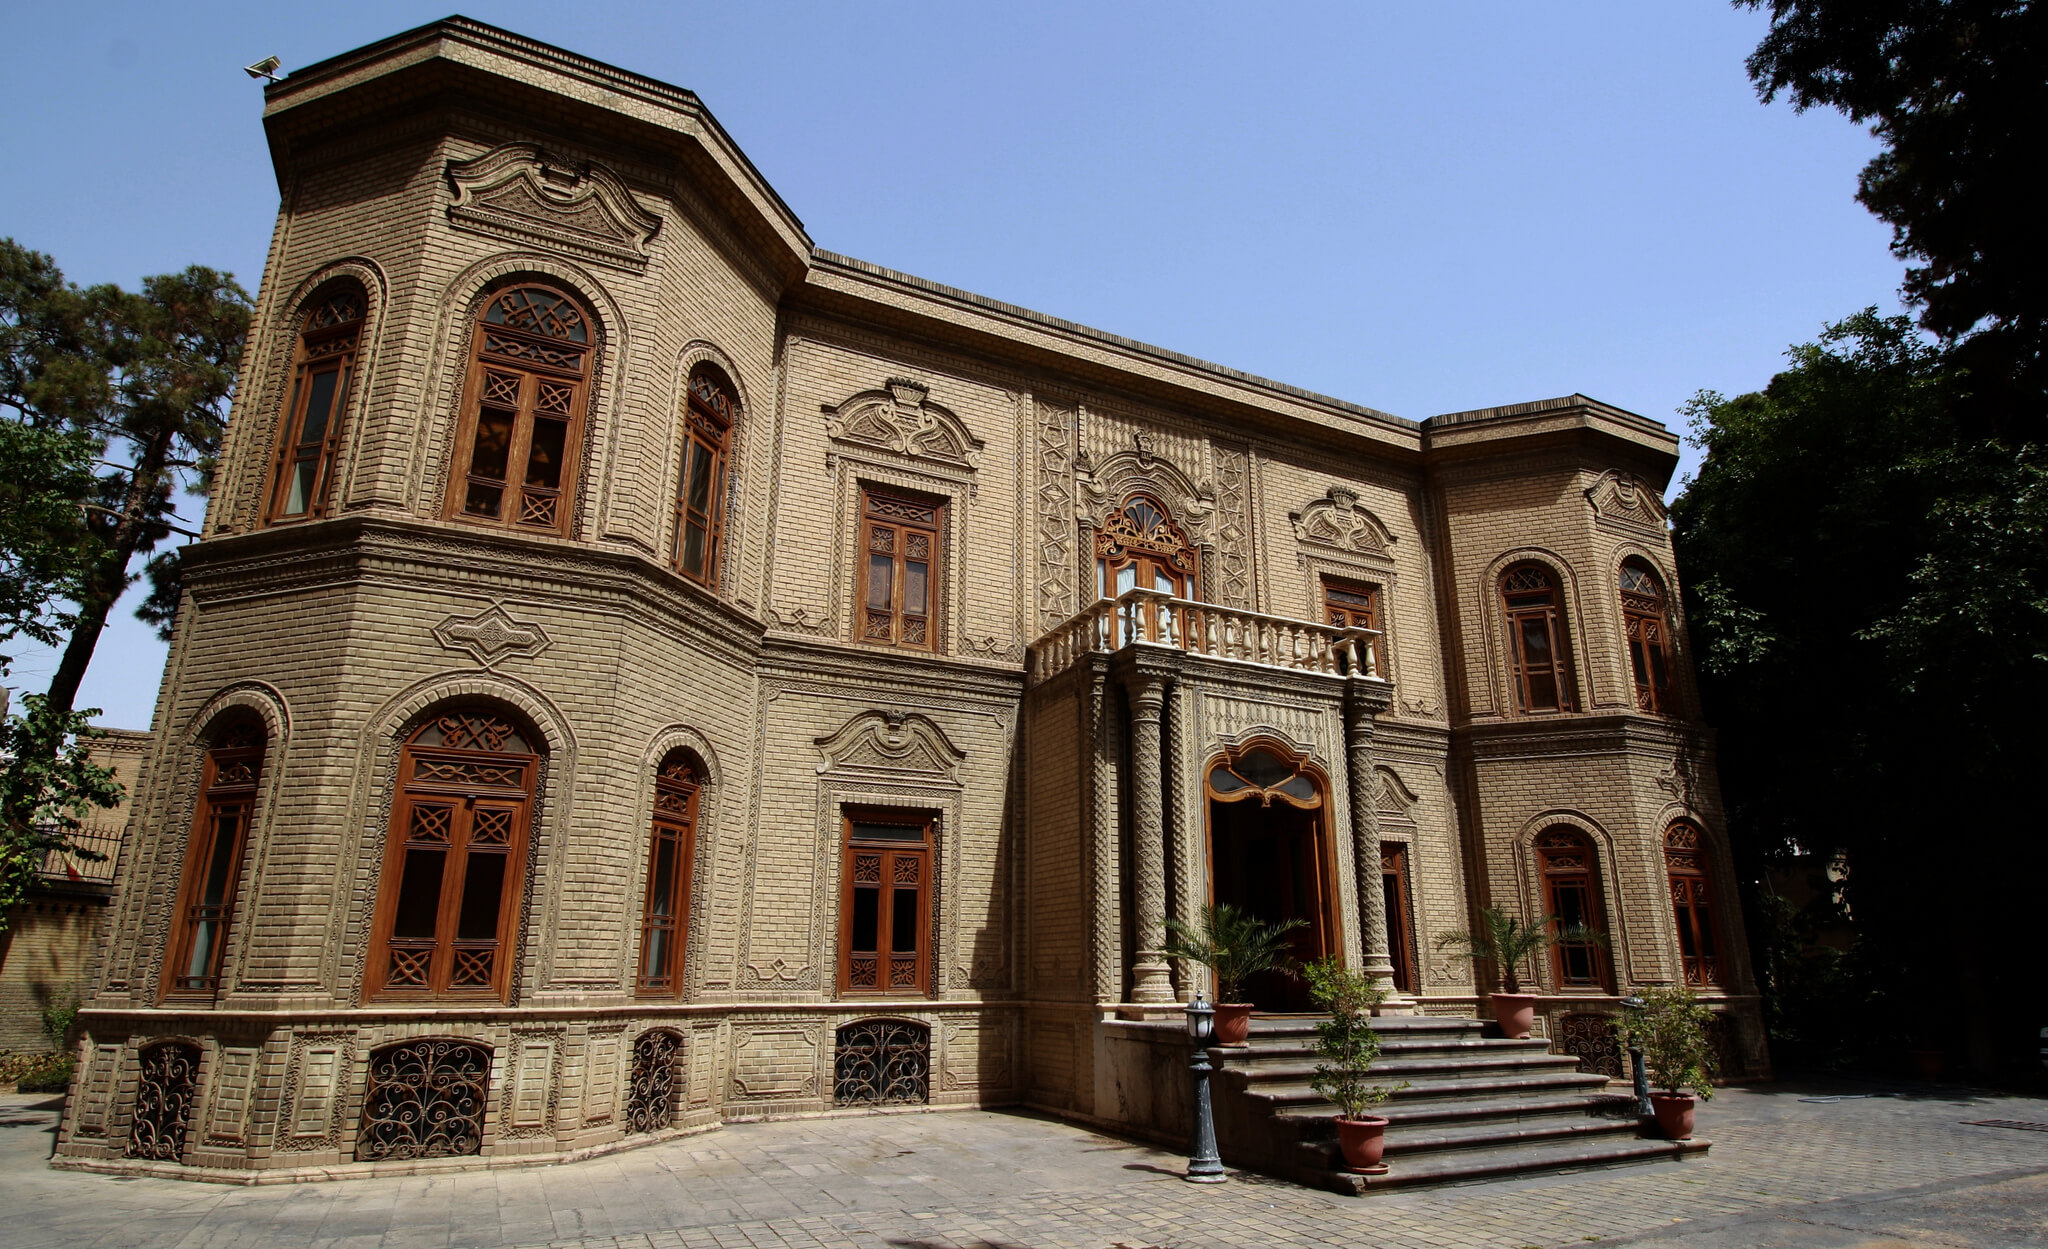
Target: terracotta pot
1674, 1114
1516, 1014
1233, 1023
1363, 1142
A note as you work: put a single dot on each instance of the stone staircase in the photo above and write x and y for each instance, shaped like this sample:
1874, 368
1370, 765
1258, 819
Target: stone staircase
1476, 1107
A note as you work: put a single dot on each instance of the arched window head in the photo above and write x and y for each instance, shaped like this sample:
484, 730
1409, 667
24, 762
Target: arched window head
213, 859
309, 431
1685, 866
1647, 624
1262, 775
521, 431
671, 852
1538, 647
1571, 893
708, 415
455, 859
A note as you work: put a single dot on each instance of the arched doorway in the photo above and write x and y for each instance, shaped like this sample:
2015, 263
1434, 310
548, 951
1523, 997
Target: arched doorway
1269, 856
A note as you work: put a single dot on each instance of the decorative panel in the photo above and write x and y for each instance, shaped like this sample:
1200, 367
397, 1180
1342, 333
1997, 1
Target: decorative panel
774, 1061
314, 1107
651, 1101
99, 1090
601, 1083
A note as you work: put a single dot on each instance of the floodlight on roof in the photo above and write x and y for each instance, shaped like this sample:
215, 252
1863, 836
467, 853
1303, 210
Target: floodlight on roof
265, 68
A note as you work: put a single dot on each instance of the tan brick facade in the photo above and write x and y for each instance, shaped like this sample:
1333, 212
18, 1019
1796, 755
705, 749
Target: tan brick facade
441, 167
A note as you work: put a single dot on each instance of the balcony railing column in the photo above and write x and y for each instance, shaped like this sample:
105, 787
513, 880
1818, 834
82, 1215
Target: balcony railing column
1365, 697
1151, 981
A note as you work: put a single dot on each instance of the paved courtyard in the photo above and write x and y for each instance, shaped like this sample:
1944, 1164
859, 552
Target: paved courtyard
1793, 1164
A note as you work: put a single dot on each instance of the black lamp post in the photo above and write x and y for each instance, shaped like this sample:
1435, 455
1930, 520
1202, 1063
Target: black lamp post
1635, 1060
1204, 1167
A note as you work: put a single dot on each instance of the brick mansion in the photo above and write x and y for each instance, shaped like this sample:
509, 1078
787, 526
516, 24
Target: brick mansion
642, 671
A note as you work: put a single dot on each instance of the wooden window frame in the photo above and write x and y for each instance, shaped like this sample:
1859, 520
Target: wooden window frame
1523, 674
1646, 626
1395, 867
329, 342
1343, 614
1555, 849
470, 780
1692, 903
678, 785
228, 783
888, 853
536, 367
904, 518
709, 411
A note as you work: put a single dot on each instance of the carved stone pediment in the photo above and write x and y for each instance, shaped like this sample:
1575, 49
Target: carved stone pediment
896, 743
521, 193
491, 635
900, 418
1395, 798
1337, 520
1627, 499
1105, 486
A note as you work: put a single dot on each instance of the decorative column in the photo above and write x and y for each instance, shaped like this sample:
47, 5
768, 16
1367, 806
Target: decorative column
1150, 979
1364, 698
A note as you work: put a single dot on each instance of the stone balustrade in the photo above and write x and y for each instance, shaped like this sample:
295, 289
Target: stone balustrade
1156, 618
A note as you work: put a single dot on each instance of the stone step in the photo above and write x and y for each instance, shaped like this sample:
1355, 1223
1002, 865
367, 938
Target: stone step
1395, 1069
1390, 1048
1321, 1164
1307, 1121
1280, 1095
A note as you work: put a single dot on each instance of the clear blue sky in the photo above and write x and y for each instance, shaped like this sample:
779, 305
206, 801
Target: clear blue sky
1423, 208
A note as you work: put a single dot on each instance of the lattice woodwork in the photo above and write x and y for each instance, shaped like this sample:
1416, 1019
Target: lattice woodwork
882, 1062
651, 1092
425, 1099
538, 311
163, 1101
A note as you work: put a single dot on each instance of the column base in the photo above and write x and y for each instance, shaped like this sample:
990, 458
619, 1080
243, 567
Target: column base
1151, 984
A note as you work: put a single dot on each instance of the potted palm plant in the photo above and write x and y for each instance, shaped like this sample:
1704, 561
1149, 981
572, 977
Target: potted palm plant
1505, 941
1348, 1045
1232, 945
1671, 1027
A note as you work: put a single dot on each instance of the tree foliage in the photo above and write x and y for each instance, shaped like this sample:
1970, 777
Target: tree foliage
1870, 597
1955, 90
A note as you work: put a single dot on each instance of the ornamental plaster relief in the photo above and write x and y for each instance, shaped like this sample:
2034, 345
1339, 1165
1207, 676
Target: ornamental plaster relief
520, 193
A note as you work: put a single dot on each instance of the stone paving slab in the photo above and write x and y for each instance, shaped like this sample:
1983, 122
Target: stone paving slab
1814, 1166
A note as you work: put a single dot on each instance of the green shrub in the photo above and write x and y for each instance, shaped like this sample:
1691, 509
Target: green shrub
1346, 1041
53, 1077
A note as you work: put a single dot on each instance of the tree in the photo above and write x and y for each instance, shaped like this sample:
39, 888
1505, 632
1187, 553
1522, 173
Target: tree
1955, 89
109, 401
170, 354
1869, 595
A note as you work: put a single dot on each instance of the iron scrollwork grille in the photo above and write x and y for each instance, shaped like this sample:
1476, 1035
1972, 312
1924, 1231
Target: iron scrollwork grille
882, 1062
651, 1102
1592, 1040
163, 1101
426, 1100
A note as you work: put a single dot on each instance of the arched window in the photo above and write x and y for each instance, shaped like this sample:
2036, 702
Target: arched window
310, 429
1140, 547
1538, 649
522, 414
213, 862
1648, 628
455, 859
1685, 863
672, 848
1571, 892
700, 490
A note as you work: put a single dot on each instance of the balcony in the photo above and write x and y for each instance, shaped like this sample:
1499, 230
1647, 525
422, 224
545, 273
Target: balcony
1156, 618
68, 868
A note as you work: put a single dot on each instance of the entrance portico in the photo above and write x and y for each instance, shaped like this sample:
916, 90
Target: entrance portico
1219, 756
